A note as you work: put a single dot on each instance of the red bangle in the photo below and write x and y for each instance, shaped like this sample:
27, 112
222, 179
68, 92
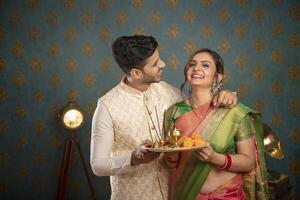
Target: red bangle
228, 161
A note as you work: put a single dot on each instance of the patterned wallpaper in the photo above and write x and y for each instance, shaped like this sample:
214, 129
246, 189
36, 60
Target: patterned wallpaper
52, 52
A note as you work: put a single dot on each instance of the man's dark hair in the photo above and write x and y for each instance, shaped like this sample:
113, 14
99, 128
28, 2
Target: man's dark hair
133, 51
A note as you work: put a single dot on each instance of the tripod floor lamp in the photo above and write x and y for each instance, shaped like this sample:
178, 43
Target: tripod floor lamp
71, 118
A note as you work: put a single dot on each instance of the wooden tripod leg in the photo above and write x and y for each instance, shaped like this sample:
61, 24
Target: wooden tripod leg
85, 170
64, 170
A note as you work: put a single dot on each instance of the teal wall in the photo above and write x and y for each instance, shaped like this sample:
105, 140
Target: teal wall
52, 52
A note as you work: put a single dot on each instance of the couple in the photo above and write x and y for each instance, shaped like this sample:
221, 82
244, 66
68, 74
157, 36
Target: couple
124, 117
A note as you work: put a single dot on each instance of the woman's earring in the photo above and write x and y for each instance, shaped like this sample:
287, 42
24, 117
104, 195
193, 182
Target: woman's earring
216, 88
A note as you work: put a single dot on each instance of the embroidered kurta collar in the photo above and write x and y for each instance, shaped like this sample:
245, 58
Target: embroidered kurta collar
132, 90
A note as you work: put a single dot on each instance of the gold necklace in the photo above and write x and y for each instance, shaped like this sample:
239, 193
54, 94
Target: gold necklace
193, 107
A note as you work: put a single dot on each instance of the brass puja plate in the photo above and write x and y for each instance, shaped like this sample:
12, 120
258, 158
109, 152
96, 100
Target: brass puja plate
175, 149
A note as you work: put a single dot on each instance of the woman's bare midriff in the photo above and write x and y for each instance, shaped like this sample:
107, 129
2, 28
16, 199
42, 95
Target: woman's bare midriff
216, 178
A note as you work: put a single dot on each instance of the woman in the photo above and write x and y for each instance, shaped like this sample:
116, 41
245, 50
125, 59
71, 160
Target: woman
233, 165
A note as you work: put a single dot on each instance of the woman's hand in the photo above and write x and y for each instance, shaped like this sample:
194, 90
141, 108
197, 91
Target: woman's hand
225, 98
207, 154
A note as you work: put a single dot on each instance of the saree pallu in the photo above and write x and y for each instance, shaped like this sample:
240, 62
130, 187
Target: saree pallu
219, 128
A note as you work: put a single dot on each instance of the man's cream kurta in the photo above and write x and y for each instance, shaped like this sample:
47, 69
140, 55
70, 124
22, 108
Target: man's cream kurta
132, 125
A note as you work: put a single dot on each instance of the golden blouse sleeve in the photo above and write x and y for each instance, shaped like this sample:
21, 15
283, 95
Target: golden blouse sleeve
244, 131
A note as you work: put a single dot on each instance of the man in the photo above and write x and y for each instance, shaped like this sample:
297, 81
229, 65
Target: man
131, 113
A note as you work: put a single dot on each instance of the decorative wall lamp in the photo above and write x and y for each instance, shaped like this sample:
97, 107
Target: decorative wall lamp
72, 119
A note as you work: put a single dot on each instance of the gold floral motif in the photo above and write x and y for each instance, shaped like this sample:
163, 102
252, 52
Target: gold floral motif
138, 4
38, 96
172, 32
20, 112
294, 12
105, 64
3, 126
241, 3
3, 157
103, 4
34, 34
21, 142
240, 61
294, 107
2, 34
72, 95
88, 49
72, 64
39, 157
259, 105
189, 16
276, 120
69, 4
138, 30
295, 135
226, 77
259, 73
155, 17
241, 30
121, 17
15, 18
54, 109
36, 64
17, 49
259, 45
259, 14
295, 167
224, 46
242, 90
276, 2
38, 126
294, 72
173, 62
3, 187
3, 95
172, 4
19, 79
207, 31
276, 29
189, 47
54, 80
105, 33
277, 88
23, 174
70, 34
294, 41
89, 79
206, 3
51, 18
277, 56
224, 15
86, 18
56, 141
53, 49
32, 4
90, 108
2, 65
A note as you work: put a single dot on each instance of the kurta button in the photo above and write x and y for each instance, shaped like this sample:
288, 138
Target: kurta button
152, 127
